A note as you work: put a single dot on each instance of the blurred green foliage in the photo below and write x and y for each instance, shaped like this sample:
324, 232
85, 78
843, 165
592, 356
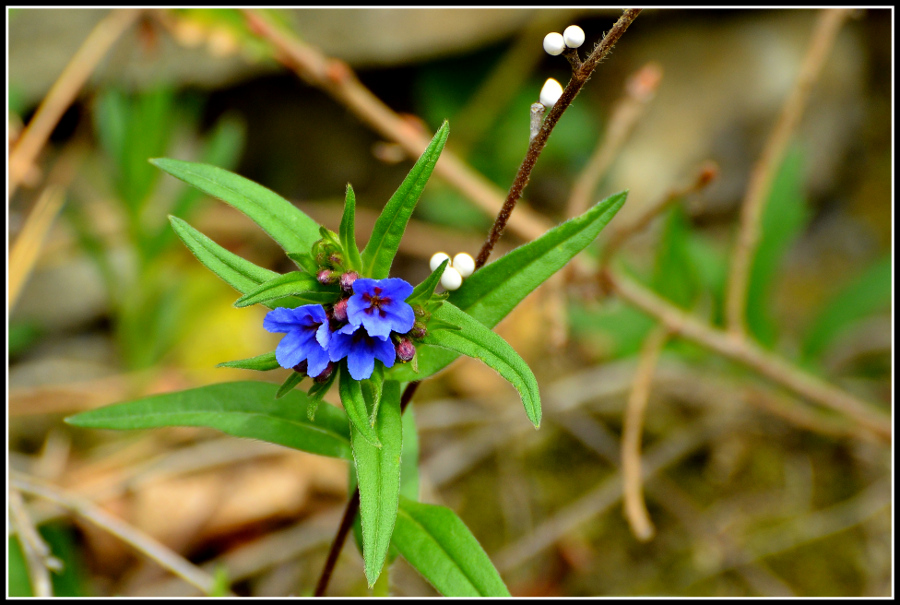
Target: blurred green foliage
71, 581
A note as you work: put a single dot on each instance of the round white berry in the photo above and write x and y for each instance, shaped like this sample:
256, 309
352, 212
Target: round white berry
464, 264
437, 259
451, 279
573, 36
551, 92
554, 43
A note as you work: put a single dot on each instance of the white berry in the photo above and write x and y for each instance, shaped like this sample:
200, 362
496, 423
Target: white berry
554, 43
464, 264
551, 92
573, 36
437, 259
451, 279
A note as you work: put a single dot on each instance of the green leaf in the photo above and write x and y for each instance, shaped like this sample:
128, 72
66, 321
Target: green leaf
284, 222
441, 548
242, 409
288, 385
237, 272
674, 276
260, 363
302, 286
494, 290
424, 291
357, 407
867, 294
388, 230
348, 232
784, 219
476, 340
378, 475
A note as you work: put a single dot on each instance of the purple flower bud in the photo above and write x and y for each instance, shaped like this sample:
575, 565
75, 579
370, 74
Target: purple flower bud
326, 277
347, 280
406, 350
336, 259
326, 373
340, 309
418, 330
301, 367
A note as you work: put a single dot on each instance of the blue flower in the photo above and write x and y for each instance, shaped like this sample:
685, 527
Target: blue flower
379, 306
361, 349
307, 337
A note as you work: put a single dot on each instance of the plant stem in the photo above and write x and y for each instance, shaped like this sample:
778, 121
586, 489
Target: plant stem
827, 27
580, 76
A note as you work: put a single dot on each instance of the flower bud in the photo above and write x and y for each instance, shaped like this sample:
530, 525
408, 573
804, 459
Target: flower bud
554, 43
418, 330
406, 350
347, 280
300, 368
340, 310
326, 373
437, 259
336, 259
421, 313
551, 92
464, 263
327, 277
451, 279
573, 36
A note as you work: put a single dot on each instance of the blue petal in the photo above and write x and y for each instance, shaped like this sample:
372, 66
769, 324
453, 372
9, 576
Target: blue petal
318, 360
400, 316
339, 346
361, 363
384, 350
292, 349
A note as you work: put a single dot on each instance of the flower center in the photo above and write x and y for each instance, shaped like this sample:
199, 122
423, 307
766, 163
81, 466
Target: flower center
375, 301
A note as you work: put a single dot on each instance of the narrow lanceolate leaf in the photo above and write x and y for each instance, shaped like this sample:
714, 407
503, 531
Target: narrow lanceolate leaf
348, 231
237, 272
382, 247
302, 286
288, 385
260, 363
476, 340
441, 548
284, 222
242, 409
354, 403
424, 291
378, 475
493, 291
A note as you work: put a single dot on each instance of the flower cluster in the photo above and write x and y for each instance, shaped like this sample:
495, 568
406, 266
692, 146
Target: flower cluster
375, 322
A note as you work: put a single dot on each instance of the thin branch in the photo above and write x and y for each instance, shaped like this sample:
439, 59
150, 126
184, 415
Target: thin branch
28, 244
64, 91
706, 173
579, 78
826, 30
751, 355
37, 554
337, 79
639, 91
142, 542
633, 497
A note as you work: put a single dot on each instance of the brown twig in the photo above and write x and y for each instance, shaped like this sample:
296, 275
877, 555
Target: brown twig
25, 251
579, 78
751, 355
706, 173
639, 91
632, 489
826, 30
64, 90
132, 536
338, 80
